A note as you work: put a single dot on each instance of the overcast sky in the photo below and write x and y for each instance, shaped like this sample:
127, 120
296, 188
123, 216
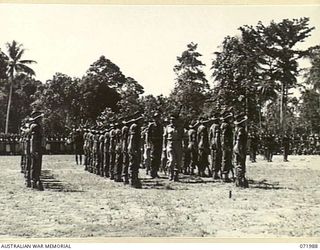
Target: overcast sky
143, 41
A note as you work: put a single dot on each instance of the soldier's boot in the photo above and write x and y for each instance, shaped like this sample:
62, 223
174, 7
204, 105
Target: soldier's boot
136, 183
34, 184
225, 178
28, 183
216, 176
40, 185
176, 176
171, 175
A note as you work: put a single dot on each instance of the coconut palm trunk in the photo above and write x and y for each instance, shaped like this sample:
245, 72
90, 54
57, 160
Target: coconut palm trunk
9, 105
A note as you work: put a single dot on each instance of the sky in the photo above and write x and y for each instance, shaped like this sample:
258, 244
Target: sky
144, 41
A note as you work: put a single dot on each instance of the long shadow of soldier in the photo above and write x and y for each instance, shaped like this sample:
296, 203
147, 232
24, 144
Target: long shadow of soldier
50, 183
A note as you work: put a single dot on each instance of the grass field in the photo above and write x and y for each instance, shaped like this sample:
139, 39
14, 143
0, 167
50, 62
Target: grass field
283, 201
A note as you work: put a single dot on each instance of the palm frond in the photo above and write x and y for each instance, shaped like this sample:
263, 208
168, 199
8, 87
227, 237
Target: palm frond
25, 69
27, 61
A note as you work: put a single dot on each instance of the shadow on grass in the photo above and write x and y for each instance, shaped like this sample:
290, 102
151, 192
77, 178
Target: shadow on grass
50, 183
264, 184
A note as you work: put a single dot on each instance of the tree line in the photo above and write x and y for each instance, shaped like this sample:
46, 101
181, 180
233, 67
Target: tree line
254, 72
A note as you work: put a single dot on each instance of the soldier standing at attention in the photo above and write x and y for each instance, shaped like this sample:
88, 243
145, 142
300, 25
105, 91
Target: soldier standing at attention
101, 152
125, 154
134, 150
191, 154
286, 146
172, 143
106, 156
118, 163
154, 135
215, 147
240, 151
36, 142
112, 150
85, 149
78, 145
203, 148
253, 148
226, 145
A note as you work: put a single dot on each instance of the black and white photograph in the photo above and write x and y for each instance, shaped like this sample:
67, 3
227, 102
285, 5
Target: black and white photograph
159, 122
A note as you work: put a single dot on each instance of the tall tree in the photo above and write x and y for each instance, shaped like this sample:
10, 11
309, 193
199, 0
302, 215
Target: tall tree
16, 65
236, 72
191, 86
278, 42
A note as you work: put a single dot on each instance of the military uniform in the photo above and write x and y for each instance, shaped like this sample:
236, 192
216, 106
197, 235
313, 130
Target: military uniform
215, 147
106, 157
172, 137
286, 146
36, 141
226, 146
134, 150
125, 153
191, 155
203, 149
240, 151
154, 138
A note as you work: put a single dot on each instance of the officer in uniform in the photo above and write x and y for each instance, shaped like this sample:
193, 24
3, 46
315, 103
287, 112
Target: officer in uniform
172, 143
240, 151
215, 147
226, 145
154, 138
36, 149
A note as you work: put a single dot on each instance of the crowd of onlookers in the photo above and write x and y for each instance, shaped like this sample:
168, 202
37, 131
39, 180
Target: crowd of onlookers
299, 144
10, 145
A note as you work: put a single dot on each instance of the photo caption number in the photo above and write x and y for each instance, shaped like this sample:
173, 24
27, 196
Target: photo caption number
308, 245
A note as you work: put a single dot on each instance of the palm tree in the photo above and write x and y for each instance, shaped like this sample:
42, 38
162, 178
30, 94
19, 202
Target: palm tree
15, 66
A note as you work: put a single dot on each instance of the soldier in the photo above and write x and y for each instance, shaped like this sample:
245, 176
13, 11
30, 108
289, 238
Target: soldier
146, 149
154, 138
106, 156
240, 151
118, 161
203, 148
226, 145
215, 147
191, 154
253, 142
172, 143
101, 153
286, 146
78, 145
36, 149
125, 153
112, 150
269, 146
85, 149
134, 150
27, 152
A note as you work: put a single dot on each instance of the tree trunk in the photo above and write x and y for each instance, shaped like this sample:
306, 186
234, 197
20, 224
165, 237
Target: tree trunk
9, 106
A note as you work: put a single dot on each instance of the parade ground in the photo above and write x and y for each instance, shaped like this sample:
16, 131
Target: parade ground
283, 200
